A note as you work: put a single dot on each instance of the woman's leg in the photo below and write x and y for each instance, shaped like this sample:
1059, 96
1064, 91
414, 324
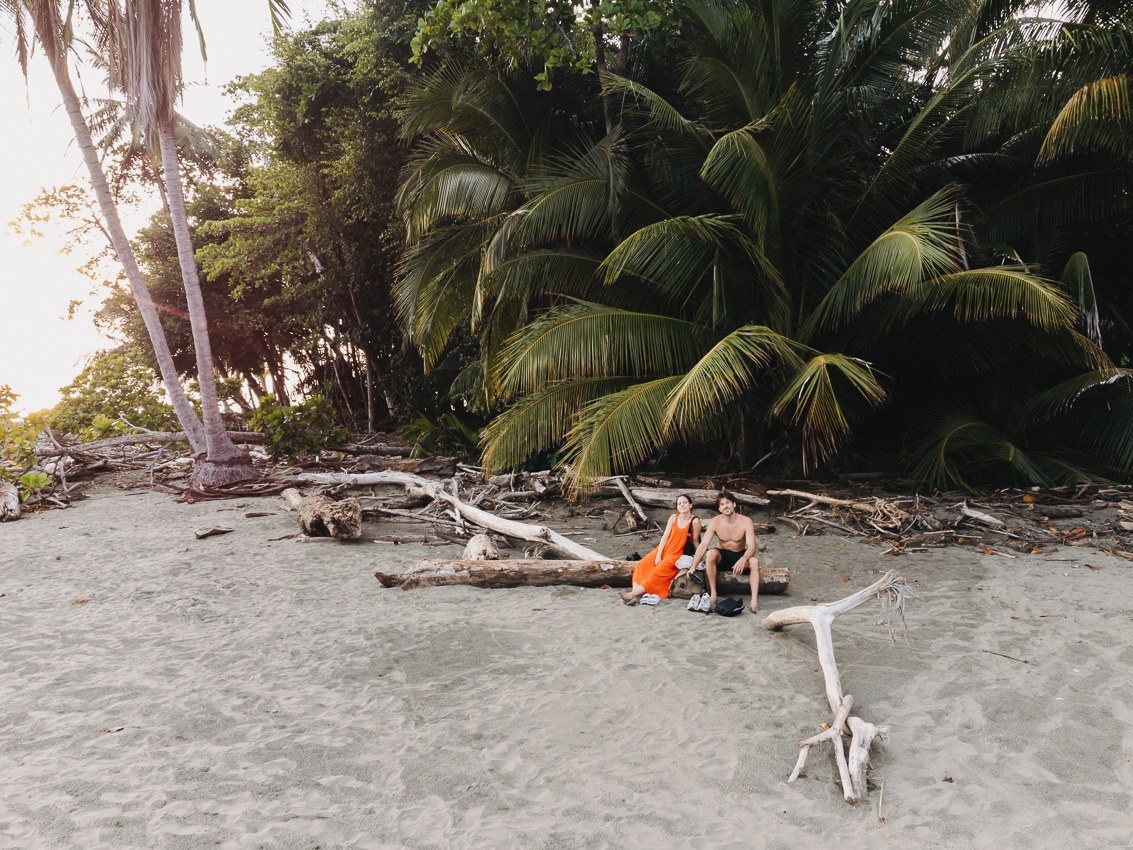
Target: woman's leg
631, 596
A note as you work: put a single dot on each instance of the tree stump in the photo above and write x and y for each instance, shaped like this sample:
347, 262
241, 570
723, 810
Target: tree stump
320, 516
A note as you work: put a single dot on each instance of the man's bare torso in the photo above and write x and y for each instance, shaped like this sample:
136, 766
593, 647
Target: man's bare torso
731, 532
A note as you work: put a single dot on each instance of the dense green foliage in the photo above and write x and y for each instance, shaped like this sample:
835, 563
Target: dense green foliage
301, 429
807, 235
115, 393
840, 229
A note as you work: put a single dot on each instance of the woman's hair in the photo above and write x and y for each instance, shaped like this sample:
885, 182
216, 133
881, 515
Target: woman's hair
682, 496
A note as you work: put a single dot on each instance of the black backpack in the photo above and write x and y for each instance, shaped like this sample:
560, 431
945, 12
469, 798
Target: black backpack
729, 607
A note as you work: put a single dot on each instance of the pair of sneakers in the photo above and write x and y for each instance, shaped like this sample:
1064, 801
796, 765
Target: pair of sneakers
650, 599
701, 603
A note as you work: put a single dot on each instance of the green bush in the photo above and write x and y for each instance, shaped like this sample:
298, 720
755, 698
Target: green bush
114, 384
307, 428
447, 436
17, 437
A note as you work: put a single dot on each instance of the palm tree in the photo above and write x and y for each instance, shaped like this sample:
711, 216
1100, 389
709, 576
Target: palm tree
143, 40
41, 21
773, 251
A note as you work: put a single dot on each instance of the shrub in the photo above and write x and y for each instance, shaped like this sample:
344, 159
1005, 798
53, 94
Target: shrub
307, 428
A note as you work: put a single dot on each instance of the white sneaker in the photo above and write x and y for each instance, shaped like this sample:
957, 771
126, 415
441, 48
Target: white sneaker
705, 606
650, 599
694, 603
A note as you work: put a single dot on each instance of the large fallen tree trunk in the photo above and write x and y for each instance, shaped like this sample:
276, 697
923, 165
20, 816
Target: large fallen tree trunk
482, 518
135, 439
9, 502
532, 573
700, 498
891, 589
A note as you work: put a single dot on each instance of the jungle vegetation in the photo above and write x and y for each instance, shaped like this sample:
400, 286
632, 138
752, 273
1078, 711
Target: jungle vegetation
797, 235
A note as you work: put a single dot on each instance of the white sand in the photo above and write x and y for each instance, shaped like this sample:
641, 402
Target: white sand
273, 694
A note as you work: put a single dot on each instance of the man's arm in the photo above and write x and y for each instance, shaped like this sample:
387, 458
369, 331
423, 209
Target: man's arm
705, 539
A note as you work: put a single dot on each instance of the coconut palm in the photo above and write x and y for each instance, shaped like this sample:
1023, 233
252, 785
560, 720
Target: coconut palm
42, 22
778, 247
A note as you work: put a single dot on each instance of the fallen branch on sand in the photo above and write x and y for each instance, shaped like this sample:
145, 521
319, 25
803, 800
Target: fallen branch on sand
134, 439
482, 518
536, 573
892, 590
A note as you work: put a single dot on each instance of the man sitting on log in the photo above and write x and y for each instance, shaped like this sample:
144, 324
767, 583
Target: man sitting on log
737, 546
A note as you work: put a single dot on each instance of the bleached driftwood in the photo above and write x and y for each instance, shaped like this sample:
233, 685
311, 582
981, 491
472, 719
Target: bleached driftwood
537, 573
621, 485
892, 590
134, 439
700, 498
9, 502
987, 519
320, 516
482, 518
481, 548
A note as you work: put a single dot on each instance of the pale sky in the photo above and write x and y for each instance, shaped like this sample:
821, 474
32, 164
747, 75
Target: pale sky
40, 350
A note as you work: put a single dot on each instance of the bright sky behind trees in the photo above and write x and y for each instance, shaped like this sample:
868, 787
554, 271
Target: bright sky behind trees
40, 350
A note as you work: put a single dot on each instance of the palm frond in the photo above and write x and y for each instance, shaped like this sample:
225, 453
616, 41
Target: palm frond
950, 448
1061, 398
978, 295
817, 398
541, 421
587, 340
1079, 283
737, 363
924, 244
616, 433
1098, 117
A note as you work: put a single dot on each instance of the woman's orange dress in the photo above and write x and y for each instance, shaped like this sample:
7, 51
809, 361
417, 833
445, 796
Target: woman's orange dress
656, 578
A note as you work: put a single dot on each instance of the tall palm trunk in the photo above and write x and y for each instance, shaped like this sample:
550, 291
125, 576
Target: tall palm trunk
181, 404
223, 463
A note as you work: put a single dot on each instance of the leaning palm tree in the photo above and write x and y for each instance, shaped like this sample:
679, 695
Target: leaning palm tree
144, 44
41, 22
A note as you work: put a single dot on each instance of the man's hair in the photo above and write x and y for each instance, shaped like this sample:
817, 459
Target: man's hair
724, 494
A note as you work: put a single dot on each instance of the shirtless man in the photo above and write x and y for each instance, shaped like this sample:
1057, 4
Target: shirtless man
736, 536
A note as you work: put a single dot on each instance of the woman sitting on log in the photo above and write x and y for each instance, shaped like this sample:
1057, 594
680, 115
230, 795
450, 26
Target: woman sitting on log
655, 572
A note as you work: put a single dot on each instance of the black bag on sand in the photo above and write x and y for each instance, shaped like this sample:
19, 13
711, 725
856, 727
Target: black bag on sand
729, 607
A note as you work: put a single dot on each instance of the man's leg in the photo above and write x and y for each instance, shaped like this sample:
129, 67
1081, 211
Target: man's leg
711, 561
753, 568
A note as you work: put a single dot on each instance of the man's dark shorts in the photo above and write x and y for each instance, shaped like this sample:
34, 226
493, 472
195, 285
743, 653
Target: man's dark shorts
728, 559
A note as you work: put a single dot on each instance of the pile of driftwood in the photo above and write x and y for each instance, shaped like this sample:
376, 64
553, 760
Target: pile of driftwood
1032, 521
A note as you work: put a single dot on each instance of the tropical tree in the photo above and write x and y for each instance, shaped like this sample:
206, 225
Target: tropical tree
778, 247
143, 42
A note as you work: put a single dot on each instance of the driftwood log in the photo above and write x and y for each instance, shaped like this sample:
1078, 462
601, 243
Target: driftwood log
482, 518
135, 439
700, 498
532, 573
892, 590
320, 516
9, 502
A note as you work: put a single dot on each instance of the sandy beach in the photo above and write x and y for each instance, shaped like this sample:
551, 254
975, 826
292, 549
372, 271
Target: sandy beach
247, 691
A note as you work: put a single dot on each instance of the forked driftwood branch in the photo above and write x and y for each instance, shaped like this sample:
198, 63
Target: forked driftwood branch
892, 590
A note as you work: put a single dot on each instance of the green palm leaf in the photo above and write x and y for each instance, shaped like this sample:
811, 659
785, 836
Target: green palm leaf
729, 370
1061, 398
616, 432
922, 245
588, 340
818, 397
541, 421
1000, 292
949, 447
1098, 117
